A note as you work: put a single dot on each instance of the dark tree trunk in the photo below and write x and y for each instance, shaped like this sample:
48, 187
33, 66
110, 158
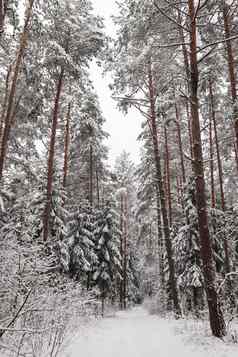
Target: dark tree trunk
157, 162
98, 187
223, 202
11, 97
66, 147
2, 15
167, 176
231, 66
125, 251
91, 175
213, 195
121, 248
160, 240
236, 155
50, 172
216, 318
187, 71
180, 143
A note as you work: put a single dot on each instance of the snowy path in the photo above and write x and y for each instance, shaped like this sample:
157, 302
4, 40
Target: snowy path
137, 334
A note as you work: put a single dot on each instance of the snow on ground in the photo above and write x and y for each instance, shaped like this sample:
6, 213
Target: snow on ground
135, 333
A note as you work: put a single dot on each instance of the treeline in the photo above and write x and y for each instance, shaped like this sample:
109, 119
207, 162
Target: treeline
65, 236
176, 62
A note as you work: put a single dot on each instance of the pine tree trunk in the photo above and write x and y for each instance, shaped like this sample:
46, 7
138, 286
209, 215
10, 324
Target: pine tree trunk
91, 175
50, 172
167, 166
157, 162
4, 107
125, 252
98, 188
236, 155
160, 240
187, 71
180, 144
213, 195
121, 249
2, 15
219, 163
216, 318
223, 203
66, 146
231, 66
9, 109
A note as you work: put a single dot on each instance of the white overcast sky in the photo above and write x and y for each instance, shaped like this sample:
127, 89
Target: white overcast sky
123, 130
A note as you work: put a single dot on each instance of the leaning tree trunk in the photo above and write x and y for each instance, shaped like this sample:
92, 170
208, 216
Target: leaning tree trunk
231, 66
157, 162
50, 172
216, 318
16, 70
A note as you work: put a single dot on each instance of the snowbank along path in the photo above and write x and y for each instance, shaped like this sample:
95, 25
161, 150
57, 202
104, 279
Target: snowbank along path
138, 334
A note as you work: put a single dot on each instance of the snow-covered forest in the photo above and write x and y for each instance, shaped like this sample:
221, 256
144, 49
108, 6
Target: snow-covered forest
130, 259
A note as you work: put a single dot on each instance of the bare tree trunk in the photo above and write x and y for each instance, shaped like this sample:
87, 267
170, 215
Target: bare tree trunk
7, 119
157, 162
180, 143
219, 163
2, 15
223, 202
121, 247
187, 71
50, 173
98, 189
167, 166
231, 66
236, 155
125, 251
4, 107
91, 175
216, 318
213, 195
66, 146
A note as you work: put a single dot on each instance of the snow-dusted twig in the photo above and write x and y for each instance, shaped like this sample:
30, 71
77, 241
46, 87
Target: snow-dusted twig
224, 280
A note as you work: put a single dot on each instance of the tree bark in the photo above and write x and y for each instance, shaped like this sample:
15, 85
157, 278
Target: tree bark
167, 176
50, 172
236, 155
98, 187
231, 66
223, 202
213, 195
2, 15
215, 315
180, 144
125, 251
4, 107
121, 247
66, 146
157, 162
7, 119
91, 175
